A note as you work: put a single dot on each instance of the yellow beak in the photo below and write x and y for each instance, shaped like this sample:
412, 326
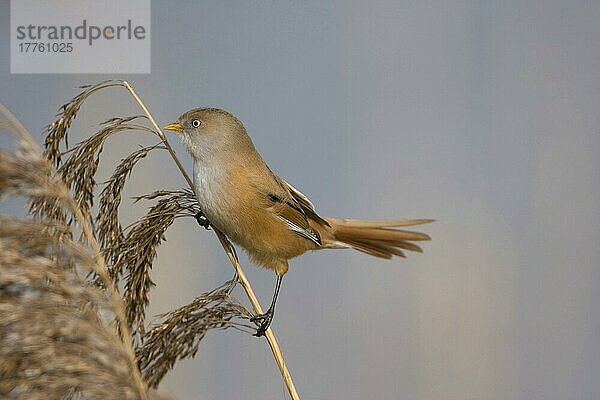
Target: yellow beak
175, 127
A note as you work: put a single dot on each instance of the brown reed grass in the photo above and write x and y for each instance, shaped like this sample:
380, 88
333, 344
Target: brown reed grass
73, 311
56, 335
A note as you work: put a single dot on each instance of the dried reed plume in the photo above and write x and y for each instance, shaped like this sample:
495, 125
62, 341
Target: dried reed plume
52, 339
137, 250
181, 331
56, 339
73, 311
109, 230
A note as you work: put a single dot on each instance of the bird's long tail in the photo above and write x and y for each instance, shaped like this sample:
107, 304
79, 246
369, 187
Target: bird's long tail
379, 238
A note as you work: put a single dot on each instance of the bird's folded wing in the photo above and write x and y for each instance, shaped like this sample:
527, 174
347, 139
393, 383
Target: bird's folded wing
303, 202
292, 214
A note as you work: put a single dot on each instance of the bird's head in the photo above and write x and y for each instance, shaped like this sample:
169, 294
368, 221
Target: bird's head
209, 130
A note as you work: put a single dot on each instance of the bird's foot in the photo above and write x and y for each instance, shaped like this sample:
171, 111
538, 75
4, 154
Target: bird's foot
202, 220
263, 321
232, 249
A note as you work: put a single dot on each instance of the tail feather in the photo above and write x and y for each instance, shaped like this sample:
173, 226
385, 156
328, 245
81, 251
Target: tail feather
375, 249
380, 223
379, 238
404, 245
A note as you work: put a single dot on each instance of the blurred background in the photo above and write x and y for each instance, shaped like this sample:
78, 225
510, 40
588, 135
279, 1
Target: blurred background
480, 114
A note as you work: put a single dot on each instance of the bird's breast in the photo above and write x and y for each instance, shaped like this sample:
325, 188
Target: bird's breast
211, 186
231, 202
228, 200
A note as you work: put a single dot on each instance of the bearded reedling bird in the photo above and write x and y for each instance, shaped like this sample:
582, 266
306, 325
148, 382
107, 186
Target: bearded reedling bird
240, 196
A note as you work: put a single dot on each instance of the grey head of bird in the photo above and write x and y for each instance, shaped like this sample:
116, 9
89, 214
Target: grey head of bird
209, 131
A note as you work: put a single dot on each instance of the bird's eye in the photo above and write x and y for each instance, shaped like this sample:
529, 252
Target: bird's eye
196, 123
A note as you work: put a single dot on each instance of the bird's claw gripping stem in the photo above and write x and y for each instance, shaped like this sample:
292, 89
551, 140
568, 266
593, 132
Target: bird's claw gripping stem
262, 321
202, 220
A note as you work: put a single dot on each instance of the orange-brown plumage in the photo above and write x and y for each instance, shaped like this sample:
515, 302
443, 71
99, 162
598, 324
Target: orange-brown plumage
261, 212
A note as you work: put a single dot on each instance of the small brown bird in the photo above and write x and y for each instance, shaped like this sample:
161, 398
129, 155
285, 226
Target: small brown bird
264, 214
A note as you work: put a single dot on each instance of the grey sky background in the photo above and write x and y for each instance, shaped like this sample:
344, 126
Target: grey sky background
482, 115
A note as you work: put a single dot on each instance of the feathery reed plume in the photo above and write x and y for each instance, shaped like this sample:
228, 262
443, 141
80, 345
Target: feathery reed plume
25, 173
57, 130
109, 230
79, 171
137, 250
179, 334
52, 339
56, 340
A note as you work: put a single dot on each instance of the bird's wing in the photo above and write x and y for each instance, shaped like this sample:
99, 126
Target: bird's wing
290, 212
291, 206
302, 201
